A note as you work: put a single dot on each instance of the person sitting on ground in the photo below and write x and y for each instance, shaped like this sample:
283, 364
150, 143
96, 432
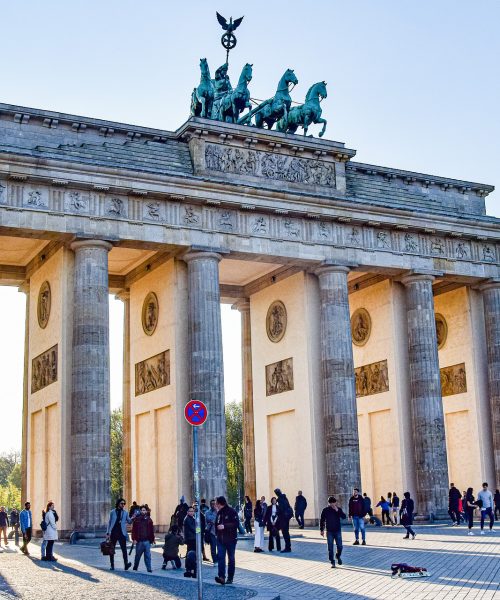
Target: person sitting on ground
173, 540
143, 535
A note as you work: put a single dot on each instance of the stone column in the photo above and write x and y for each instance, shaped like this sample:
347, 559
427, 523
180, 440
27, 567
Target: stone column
90, 395
429, 440
25, 288
247, 395
338, 385
206, 367
491, 300
124, 296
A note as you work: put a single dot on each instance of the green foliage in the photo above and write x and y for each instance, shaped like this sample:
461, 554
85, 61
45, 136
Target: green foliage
8, 461
116, 454
234, 451
10, 479
15, 476
10, 496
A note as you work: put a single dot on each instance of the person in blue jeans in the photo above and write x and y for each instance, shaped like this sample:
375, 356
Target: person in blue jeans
226, 525
331, 521
357, 512
143, 535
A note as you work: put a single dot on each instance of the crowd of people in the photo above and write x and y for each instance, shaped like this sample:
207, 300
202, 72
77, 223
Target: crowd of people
220, 525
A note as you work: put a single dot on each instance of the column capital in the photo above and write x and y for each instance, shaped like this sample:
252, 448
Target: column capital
415, 276
331, 267
243, 305
123, 295
79, 244
24, 288
200, 254
489, 284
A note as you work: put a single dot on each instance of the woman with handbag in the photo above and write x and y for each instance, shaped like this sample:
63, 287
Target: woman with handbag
258, 515
272, 521
50, 532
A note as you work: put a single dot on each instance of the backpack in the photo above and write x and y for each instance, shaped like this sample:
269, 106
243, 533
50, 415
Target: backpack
43, 525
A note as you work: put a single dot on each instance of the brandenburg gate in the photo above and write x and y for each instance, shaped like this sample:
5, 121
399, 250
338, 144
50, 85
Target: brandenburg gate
369, 300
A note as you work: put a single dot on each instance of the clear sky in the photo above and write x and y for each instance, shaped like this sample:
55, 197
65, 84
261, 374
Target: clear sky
414, 85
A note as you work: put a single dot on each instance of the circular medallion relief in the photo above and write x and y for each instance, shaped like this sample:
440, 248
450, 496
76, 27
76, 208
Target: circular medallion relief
150, 313
361, 326
276, 321
441, 330
43, 306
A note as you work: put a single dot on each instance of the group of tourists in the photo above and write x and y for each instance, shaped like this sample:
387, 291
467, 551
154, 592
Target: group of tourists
463, 506
24, 521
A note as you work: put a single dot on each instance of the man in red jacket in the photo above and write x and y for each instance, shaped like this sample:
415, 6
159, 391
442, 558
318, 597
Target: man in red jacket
143, 536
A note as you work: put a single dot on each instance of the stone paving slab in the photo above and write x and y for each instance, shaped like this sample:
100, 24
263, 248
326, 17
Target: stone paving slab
461, 567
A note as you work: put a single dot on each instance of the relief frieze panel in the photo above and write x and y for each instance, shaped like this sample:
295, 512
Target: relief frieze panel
279, 377
371, 379
44, 369
453, 380
152, 373
279, 167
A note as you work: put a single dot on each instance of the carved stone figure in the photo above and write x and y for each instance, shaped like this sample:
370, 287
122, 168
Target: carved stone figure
222, 85
152, 373
383, 240
44, 369
225, 220
371, 379
411, 244
44, 304
202, 97
259, 225
488, 254
153, 210
235, 101
361, 326
291, 228
150, 311
115, 207
190, 216
441, 330
453, 380
437, 246
279, 377
35, 198
323, 230
307, 113
353, 237
461, 250
276, 321
77, 201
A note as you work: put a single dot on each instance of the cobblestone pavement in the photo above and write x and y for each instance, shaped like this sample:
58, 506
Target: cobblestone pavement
461, 567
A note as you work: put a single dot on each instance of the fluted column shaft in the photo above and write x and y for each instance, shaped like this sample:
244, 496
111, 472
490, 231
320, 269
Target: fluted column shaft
429, 440
24, 448
338, 385
90, 394
247, 396
491, 300
207, 367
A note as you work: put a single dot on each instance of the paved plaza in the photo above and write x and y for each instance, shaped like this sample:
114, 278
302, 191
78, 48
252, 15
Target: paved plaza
461, 567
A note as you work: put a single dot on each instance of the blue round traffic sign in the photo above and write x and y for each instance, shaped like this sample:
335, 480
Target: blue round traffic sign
195, 412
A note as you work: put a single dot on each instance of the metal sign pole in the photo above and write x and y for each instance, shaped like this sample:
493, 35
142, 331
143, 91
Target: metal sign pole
199, 560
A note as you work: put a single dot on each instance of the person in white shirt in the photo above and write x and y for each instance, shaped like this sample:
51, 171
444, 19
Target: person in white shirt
485, 501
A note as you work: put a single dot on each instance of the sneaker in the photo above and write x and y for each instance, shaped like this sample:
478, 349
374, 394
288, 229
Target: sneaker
229, 582
363, 543
339, 560
220, 580
356, 543
150, 570
470, 533
134, 568
492, 529
333, 565
413, 536
127, 566
482, 532
406, 537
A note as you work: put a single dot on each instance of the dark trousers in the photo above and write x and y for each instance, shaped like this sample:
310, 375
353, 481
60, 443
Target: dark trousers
213, 548
497, 512
454, 515
470, 517
191, 545
285, 530
409, 530
299, 517
386, 518
49, 552
331, 537
222, 550
122, 540
26, 539
274, 534
175, 559
248, 524
487, 511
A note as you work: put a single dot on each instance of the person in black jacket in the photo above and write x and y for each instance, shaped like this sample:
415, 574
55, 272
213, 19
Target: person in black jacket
357, 512
331, 521
453, 498
173, 540
272, 522
226, 525
300, 509
286, 513
190, 530
180, 513
247, 513
406, 516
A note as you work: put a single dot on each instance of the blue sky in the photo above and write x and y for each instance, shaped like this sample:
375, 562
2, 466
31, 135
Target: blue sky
414, 85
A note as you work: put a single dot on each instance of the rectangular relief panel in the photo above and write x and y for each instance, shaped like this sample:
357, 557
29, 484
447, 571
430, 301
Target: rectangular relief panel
152, 373
372, 379
279, 377
44, 369
453, 380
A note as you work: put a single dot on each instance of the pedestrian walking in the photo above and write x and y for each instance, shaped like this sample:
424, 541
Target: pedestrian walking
331, 520
357, 513
395, 507
285, 514
26, 522
180, 513
470, 507
272, 522
247, 514
134, 510
406, 515
210, 531
14, 523
227, 536
496, 501
453, 498
189, 529
386, 508
300, 508
4, 524
143, 535
50, 533
258, 517
368, 505
117, 532
173, 540
485, 497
